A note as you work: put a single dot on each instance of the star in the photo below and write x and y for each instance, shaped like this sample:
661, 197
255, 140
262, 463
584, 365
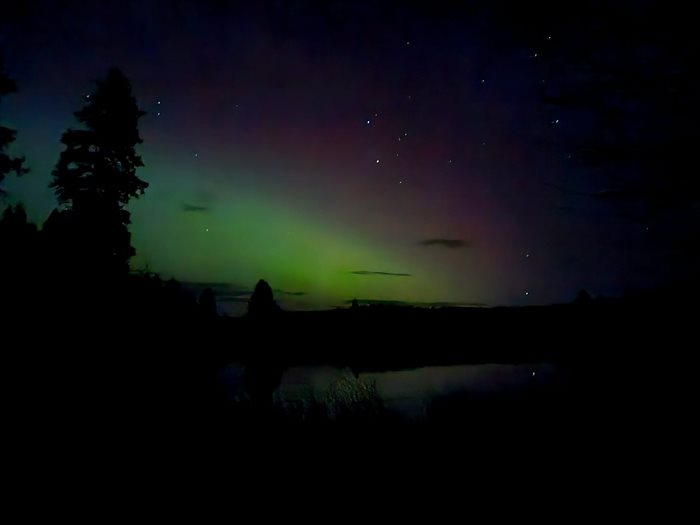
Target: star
400, 182
527, 293
483, 81
368, 122
206, 229
158, 114
377, 161
533, 374
527, 255
449, 161
196, 155
408, 42
376, 114
158, 102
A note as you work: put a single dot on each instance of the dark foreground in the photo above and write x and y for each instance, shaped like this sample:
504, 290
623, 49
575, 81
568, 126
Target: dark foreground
140, 373
137, 396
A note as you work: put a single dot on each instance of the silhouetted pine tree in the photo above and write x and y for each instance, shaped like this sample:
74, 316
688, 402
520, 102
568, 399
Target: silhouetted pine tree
7, 135
95, 177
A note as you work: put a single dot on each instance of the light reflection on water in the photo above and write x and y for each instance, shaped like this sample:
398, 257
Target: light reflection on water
410, 392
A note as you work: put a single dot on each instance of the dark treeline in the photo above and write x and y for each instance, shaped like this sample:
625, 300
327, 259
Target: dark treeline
77, 263
88, 343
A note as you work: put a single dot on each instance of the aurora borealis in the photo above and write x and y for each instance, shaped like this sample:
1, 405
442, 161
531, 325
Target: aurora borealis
336, 149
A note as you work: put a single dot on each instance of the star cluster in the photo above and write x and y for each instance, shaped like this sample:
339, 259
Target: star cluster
309, 147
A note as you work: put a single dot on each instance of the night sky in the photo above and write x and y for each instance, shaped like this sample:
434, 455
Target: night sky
336, 149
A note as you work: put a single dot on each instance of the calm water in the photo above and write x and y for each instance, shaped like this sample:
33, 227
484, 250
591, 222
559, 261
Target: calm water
410, 392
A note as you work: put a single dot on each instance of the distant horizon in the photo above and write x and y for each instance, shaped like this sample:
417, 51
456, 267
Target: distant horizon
232, 300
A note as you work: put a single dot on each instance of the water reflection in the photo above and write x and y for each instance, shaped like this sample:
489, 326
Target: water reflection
410, 393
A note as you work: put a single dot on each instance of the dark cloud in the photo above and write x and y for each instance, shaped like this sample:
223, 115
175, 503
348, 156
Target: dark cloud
194, 208
389, 274
284, 292
446, 243
386, 302
212, 284
390, 302
220, 289
244, 297
453, 305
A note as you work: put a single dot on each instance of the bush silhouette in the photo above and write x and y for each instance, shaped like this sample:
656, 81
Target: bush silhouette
262, 302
